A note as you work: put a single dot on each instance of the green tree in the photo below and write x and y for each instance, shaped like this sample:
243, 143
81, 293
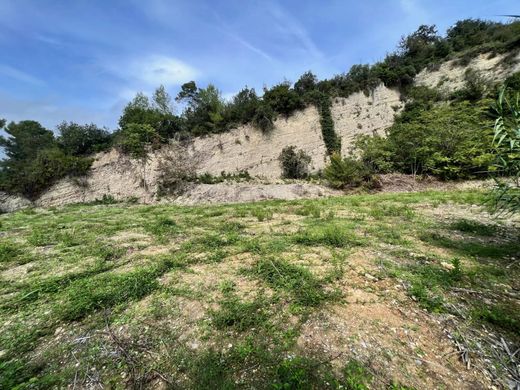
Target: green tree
157, 113
35, 160
283, 99
81, 140
135, 139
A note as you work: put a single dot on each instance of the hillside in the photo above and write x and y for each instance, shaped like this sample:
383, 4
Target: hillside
245, 149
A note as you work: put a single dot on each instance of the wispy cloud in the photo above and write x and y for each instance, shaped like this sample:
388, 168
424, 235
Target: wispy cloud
12, 73
291, 27
152, 71
49, 40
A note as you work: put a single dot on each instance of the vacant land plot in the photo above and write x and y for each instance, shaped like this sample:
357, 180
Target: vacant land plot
390, 291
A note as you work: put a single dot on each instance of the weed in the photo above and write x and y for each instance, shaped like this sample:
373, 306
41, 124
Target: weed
309, 209
8, 251
298, 281
504, 316
334, 235
475, 227
262, 214
238, 314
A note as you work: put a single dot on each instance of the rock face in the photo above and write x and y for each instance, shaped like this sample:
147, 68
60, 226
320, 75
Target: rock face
365, 114
450, 77
10, 203
248, 149
243, 149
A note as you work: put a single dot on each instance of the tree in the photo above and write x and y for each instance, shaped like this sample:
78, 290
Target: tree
204, 111
135, 138
24, 140
243, 107
306, 83
282, 99
162, 101
81, 140
35, 160
158, 113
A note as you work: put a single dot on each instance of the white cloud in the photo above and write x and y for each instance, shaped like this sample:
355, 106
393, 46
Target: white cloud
16, 74
156, 70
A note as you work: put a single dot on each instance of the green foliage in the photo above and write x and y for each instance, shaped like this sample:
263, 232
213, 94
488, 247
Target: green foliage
347, 173
264, 117
82, 140
135, 139
157, 114
506, 141
238, 314
106, 290
500, 315
294, 164
330, 138
283, 99
512, 83
262, 214
474, 227
298, 281
204, 111
375, 153
333, 235
244, 106
448, 140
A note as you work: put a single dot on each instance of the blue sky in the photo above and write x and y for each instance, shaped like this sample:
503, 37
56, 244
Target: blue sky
82, 60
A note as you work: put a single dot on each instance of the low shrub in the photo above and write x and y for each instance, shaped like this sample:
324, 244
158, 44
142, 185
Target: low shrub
347, 172
295, 164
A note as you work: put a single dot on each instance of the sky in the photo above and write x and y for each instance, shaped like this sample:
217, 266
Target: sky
83, 60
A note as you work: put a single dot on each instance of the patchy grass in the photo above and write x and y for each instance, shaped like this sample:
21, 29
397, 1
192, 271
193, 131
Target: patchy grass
140, 296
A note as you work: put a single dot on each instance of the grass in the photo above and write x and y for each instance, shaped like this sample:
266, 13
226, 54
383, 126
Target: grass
220, 296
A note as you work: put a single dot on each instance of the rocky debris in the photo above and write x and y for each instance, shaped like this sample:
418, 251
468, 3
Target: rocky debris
10, 203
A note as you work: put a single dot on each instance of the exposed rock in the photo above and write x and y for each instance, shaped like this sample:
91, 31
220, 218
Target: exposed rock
449, 76
10, 203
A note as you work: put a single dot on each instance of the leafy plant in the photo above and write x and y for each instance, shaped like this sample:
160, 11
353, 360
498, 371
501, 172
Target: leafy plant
347, 173
506, 141
295, 164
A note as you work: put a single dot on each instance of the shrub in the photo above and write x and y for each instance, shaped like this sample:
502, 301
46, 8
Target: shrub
506, 142
375, 153
264, 118
282, 99
135, 138
348, 172
295, 164
81, 140
175, 170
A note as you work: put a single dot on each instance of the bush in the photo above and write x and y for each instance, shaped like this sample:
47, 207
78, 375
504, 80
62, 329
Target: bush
295, 164
82, 140
450, 141
282, 99
134, 139
264, 117
347, 173
375, 153
175, 170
